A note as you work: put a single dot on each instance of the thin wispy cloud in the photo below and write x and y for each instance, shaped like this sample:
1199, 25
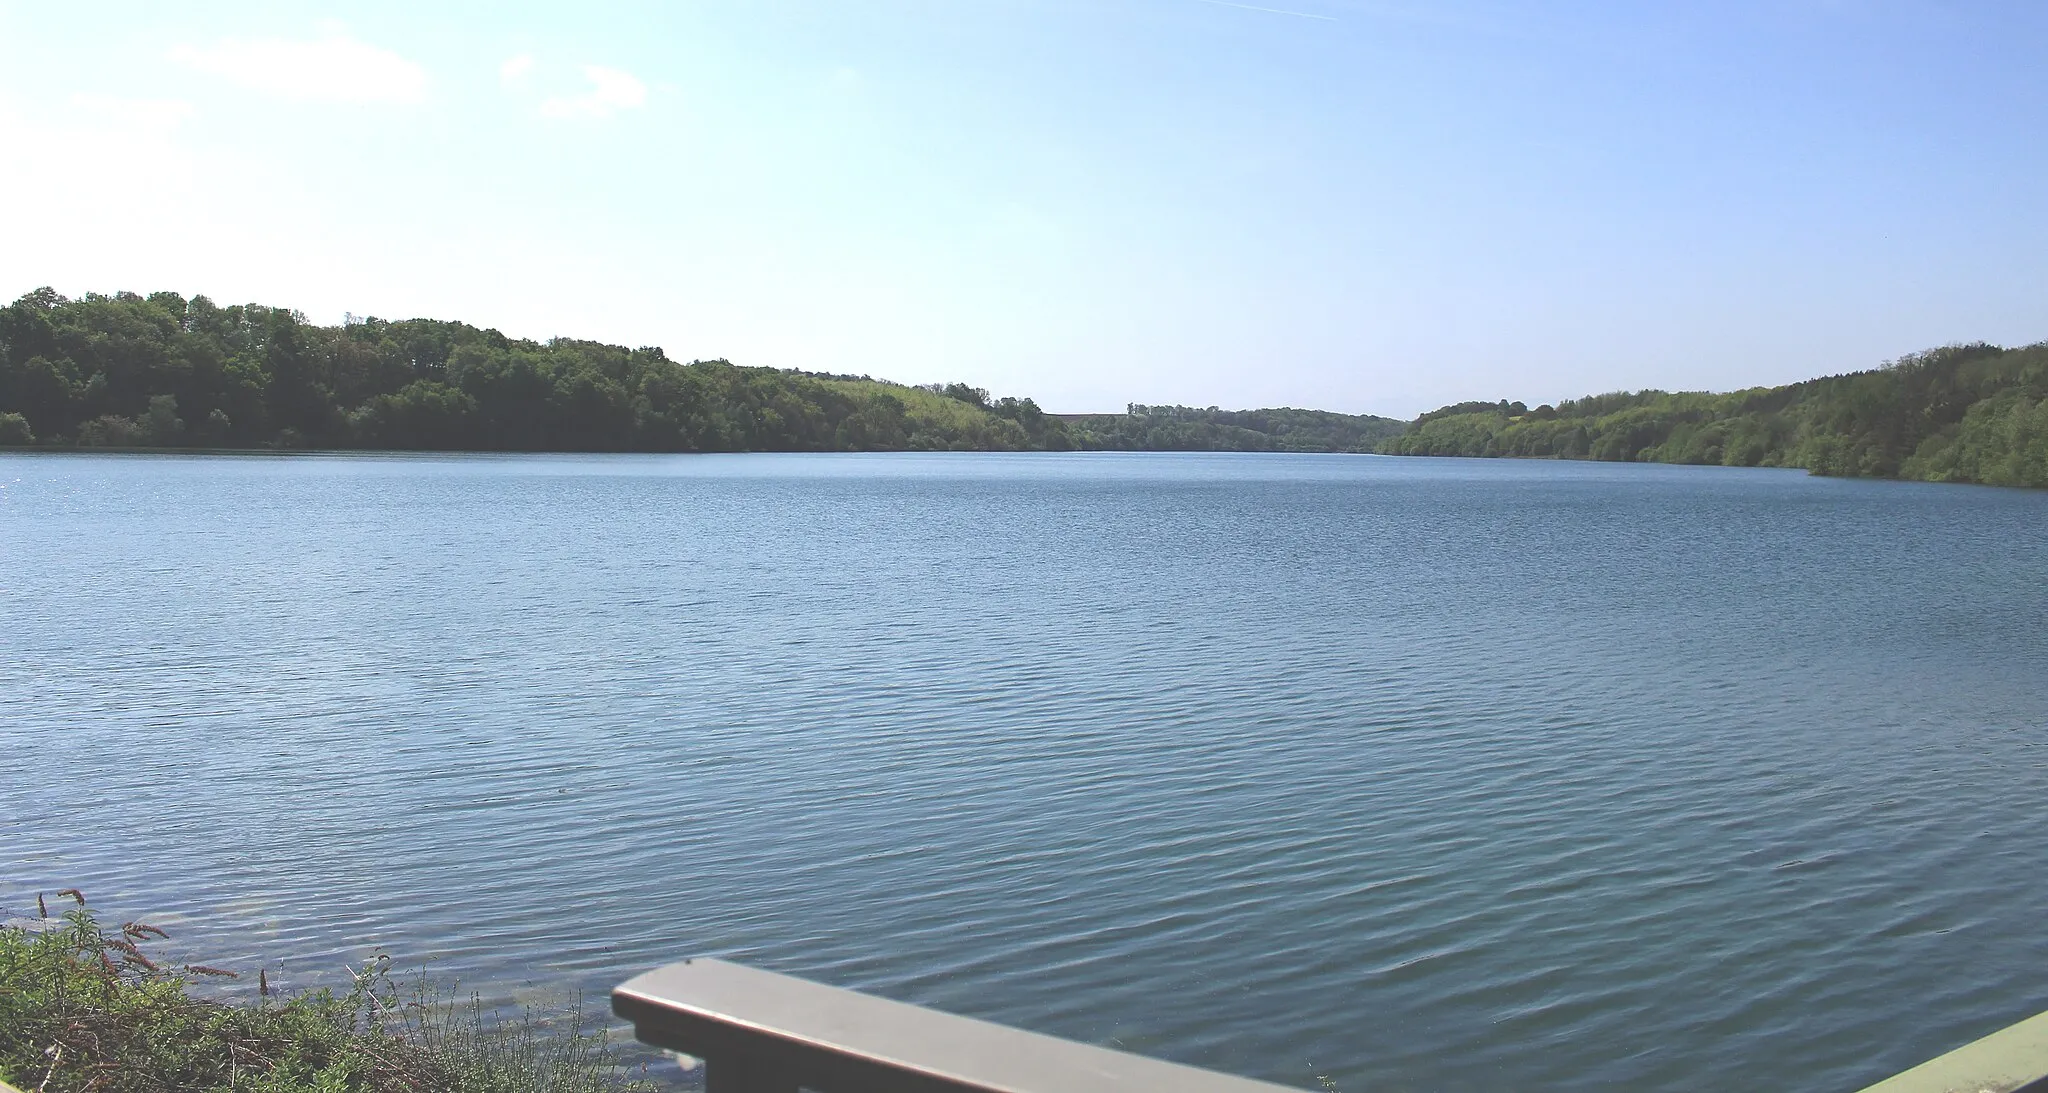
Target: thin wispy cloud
334, 67
514, 71
611, 90
1271, 11
148, 115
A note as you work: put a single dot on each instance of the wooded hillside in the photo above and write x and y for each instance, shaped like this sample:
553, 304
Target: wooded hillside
1969, 413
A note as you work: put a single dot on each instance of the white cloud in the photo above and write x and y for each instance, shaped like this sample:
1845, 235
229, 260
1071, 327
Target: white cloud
155, 116
332, 68
611, 90
514, 71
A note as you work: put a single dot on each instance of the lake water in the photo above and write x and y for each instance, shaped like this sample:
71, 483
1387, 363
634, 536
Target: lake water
1421, 774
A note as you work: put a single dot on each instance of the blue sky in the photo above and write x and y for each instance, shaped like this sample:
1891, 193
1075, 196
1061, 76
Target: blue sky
1372, 207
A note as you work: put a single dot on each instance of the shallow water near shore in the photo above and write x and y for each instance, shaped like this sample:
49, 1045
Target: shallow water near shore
1419, 774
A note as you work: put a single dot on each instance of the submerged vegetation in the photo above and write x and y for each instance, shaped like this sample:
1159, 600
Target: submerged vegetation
1969, 413
167, 371
84, 1010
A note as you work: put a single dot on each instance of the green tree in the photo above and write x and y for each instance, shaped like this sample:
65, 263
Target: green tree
162, 426
14, 431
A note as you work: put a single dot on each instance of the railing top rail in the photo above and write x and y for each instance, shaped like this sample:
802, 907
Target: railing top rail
2011, 1060
823, 1037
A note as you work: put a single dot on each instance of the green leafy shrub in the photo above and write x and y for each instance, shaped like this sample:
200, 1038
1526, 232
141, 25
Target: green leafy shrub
84, 1010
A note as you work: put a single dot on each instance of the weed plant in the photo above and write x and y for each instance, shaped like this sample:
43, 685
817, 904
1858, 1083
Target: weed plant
87, 1010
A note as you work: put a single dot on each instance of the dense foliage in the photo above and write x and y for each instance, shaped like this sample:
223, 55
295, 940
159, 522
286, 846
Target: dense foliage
166, 371
86, 1010
1970, 413
1187, 428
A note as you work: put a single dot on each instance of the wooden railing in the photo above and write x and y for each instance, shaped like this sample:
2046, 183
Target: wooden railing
759, 1032
2011, 1060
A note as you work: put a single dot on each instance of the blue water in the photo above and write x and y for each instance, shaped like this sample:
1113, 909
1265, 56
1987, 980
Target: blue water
1420, 774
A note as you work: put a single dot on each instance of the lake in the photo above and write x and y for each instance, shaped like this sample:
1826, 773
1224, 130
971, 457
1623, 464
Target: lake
1429, 775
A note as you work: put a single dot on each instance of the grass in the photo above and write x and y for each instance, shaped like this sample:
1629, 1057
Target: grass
88, 1010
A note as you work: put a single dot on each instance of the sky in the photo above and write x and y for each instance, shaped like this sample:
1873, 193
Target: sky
1343, 204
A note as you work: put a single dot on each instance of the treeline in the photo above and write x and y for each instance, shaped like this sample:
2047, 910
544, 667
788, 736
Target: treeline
1189, 429
165, 371
1968, 413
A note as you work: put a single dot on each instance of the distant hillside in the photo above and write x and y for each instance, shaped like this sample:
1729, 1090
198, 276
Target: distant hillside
1968, 413
1185, 428
165, 371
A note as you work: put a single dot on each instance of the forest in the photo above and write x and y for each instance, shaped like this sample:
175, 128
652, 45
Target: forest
167, 371
1964, 413
1186, 428
164, 371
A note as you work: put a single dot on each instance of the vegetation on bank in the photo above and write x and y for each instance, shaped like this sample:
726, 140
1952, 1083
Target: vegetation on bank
1969, 413
85, 1010
1143, 428
165, 371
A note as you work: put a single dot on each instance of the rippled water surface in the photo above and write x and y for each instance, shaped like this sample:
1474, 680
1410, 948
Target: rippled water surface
1421, 774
